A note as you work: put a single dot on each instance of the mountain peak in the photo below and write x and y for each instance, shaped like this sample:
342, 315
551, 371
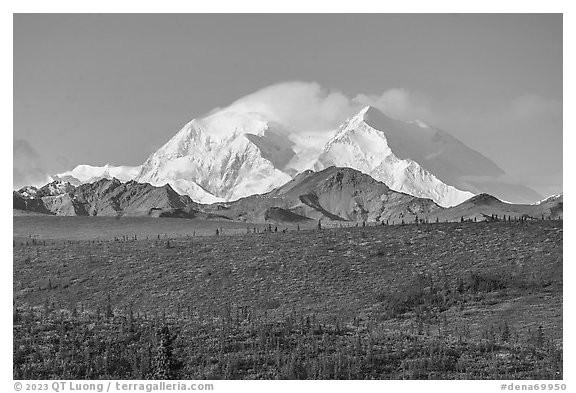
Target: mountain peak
551, 198
56, 187
230, 154
374, 118
370, 110
363, 114
390, 151
484, 199
223, 156
105, 180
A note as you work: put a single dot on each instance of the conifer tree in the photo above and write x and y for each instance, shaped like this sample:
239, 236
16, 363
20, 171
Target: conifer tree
163, 362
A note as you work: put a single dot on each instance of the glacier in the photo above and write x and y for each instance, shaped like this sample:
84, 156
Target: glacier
359, 146
230, 154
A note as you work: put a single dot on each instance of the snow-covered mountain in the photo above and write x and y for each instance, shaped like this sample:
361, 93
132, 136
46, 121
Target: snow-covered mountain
338, 194
28, 191
551, 198
222, 157
228, 155
359, 145
54, 188
106, 197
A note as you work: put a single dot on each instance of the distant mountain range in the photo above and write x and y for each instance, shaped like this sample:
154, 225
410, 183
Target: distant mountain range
229, 155
101, 198
332, 194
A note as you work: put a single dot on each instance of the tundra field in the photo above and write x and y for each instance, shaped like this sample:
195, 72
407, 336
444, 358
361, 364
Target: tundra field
145, 298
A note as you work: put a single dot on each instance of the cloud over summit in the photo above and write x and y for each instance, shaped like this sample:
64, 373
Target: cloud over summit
311, 107
300, 105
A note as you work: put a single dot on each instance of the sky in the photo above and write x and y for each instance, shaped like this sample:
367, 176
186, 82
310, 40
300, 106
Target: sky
112, 88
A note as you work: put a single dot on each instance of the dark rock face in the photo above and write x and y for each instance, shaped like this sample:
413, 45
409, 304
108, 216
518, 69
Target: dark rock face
485, 207
553, 207
484, 199
18, 201
55, 188
105, 198
338, 194
282, 215
356, 196
345, 194
28, 192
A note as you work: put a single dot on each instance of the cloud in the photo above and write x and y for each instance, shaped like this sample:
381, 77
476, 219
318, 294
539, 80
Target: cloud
399, 103
27, 166
309, 106
491, 126
301, 105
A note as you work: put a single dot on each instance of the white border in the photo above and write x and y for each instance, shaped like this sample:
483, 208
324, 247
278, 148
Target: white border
306, 6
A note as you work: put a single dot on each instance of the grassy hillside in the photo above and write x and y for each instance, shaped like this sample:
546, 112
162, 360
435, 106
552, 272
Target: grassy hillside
448, 300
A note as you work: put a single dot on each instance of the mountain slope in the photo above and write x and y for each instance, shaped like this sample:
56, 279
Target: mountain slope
226, 155
552, 206
483, 206
360, 146
333, 193
337, 194
108, 198
434, 149
230, 155
18, 201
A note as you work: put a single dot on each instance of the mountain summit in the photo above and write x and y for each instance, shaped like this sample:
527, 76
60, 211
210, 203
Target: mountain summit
362, 143
222, 157
228, 155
